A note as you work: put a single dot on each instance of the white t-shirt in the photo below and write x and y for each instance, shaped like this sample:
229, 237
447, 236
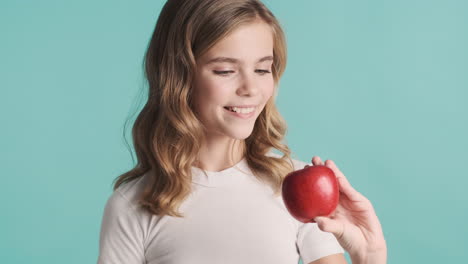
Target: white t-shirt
230, 217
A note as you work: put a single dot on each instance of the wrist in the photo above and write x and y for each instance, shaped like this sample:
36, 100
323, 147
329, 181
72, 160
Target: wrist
373, 256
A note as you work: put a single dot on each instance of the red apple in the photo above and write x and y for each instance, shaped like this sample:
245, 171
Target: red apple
310, 192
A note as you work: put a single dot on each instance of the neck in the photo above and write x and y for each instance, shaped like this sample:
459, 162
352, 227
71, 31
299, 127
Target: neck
219, 153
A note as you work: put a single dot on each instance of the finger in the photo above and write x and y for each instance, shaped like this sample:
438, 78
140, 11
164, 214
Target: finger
331, 164
329, 225
332, 215
345, 186
317, 161
349, 191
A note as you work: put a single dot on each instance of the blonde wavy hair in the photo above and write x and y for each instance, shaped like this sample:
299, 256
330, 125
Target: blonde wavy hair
167, 134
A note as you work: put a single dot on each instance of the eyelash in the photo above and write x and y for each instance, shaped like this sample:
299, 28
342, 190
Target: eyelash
225, 73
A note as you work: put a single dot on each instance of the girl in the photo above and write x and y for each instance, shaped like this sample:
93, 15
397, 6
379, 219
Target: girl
206, 188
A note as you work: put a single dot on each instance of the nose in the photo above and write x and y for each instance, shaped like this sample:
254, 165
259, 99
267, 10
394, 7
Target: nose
247, 86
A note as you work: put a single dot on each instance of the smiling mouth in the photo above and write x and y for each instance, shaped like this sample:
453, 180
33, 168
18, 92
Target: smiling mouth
229, 108
240, 110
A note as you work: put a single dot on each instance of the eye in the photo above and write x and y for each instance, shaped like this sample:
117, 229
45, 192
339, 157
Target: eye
223, 73
226, 73
262, 72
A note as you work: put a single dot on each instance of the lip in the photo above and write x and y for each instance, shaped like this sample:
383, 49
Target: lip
241, 106
240, 115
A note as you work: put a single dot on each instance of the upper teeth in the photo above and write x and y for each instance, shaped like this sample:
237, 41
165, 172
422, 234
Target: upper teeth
242, 110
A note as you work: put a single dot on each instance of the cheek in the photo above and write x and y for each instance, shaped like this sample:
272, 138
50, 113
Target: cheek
269, 88
216, 92
210, 92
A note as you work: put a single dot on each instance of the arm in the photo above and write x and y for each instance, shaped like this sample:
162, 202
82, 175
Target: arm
354, 223
121, 237
332, 259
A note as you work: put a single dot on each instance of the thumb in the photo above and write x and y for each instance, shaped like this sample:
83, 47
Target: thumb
329, 225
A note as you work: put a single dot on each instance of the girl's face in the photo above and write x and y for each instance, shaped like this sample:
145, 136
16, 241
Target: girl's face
233, 81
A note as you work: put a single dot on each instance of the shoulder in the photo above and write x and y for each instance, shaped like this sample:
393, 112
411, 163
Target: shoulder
127, 194
296, 163
121, 209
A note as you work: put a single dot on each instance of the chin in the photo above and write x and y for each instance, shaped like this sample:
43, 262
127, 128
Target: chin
240, 134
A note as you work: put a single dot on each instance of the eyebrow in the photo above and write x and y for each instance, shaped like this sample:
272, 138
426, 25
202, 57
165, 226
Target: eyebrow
233, 60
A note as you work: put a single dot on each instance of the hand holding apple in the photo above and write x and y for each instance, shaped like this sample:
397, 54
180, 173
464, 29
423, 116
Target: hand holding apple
354, 222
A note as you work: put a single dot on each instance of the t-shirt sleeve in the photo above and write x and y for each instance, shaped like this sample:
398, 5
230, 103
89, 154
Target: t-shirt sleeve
121, 236
314, 244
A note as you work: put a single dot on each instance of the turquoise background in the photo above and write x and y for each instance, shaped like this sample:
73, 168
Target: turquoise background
380, 87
